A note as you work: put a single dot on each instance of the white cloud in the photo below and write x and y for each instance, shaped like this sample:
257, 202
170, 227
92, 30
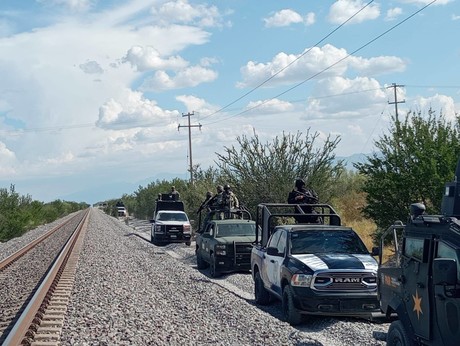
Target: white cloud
310, 19
197, 105
272, 106
342, 10
7, 161
438, 103
338, 97
188, 77
73, 5
132, 110
287, 17
284, 17
393, 13
301, 66
455, 17
320, 62
181, 11
377, 65
148, 58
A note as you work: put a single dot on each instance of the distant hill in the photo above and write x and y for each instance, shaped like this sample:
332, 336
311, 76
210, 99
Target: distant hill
350, 160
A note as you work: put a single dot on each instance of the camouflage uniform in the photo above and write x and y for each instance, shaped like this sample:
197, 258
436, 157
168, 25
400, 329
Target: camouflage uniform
229, 199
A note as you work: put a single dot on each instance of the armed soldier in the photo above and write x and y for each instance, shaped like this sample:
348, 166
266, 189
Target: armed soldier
206, 204
229, 200
305, 197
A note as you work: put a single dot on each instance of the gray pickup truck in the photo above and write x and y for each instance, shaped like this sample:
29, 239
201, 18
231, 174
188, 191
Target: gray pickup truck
320, 268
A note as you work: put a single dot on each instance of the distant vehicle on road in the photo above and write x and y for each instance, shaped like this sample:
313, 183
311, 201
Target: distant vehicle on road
170, 223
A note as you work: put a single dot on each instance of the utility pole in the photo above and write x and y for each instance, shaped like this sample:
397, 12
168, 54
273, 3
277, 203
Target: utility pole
394, 86
189, 140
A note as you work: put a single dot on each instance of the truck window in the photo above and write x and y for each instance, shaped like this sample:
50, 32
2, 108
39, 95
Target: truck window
315, 241
413, 248
445, 251
281, 246
273, 241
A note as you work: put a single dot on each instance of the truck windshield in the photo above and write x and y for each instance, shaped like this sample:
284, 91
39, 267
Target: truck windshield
172, 217
243, 229
337, 241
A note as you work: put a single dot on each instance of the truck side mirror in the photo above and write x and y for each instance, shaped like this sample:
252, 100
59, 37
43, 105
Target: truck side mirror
272, 251
152, 220
445, 271
375, 251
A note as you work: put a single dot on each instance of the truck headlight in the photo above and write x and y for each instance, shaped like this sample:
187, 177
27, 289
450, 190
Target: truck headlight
158, 229
220, 250
187, 229
302, 280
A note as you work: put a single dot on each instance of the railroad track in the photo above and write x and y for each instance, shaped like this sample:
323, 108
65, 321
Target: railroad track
36, 283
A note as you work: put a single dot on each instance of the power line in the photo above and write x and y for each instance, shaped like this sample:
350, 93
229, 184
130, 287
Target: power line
292, 62
330, 66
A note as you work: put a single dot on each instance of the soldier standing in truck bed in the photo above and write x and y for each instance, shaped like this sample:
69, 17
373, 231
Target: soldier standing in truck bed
229, 200
305, 197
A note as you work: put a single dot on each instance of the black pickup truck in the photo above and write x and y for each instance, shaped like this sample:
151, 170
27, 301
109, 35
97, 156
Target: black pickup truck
320, 268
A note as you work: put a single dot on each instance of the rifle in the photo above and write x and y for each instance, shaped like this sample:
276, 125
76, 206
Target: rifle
206, 203
311, 198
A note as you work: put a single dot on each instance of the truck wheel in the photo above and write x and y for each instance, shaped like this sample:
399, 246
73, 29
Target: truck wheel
397, 335
260, 292
188, 243
212, 267
200, 262
290, 313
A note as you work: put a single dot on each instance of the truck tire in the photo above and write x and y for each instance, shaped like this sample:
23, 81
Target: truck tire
188, 243
200, 262
262, 296
290, 313
212, 267
397, 335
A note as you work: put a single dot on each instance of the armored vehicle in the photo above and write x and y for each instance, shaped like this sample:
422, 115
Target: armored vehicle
224, 242
419, 274
313, 268
170, 223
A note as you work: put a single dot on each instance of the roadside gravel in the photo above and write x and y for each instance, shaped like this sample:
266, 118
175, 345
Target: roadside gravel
130, 292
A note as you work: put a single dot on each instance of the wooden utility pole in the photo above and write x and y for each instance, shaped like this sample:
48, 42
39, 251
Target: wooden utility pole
189, 140
394, 86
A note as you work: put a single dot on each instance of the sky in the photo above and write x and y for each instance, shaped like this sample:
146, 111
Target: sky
96, 96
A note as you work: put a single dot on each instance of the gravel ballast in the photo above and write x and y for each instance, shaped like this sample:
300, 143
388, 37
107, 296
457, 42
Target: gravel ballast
129, 292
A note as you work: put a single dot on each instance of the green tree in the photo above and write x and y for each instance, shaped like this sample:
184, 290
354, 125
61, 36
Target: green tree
412, 164
265, 172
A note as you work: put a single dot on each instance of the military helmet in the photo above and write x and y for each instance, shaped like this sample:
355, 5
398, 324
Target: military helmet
220, 188
299, 183
208, 194
227, 187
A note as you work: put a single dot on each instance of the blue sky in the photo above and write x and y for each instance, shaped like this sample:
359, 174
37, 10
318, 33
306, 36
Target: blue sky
92, 93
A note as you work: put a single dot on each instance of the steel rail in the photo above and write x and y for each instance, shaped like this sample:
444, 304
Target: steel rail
21, 332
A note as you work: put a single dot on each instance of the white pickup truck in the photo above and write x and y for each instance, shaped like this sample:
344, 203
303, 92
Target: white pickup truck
170, 223
318, 268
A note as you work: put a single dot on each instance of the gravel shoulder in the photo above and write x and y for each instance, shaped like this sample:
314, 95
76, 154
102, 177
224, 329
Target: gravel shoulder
130, 292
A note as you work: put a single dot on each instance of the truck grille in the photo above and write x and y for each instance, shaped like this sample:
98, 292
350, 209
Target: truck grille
242, 253
343, 281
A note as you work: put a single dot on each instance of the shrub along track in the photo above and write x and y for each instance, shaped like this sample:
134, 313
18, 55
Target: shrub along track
35, 282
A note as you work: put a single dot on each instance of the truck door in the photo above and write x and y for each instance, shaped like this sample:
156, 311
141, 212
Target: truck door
416, 286
447, 305
273, 263
206, 240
